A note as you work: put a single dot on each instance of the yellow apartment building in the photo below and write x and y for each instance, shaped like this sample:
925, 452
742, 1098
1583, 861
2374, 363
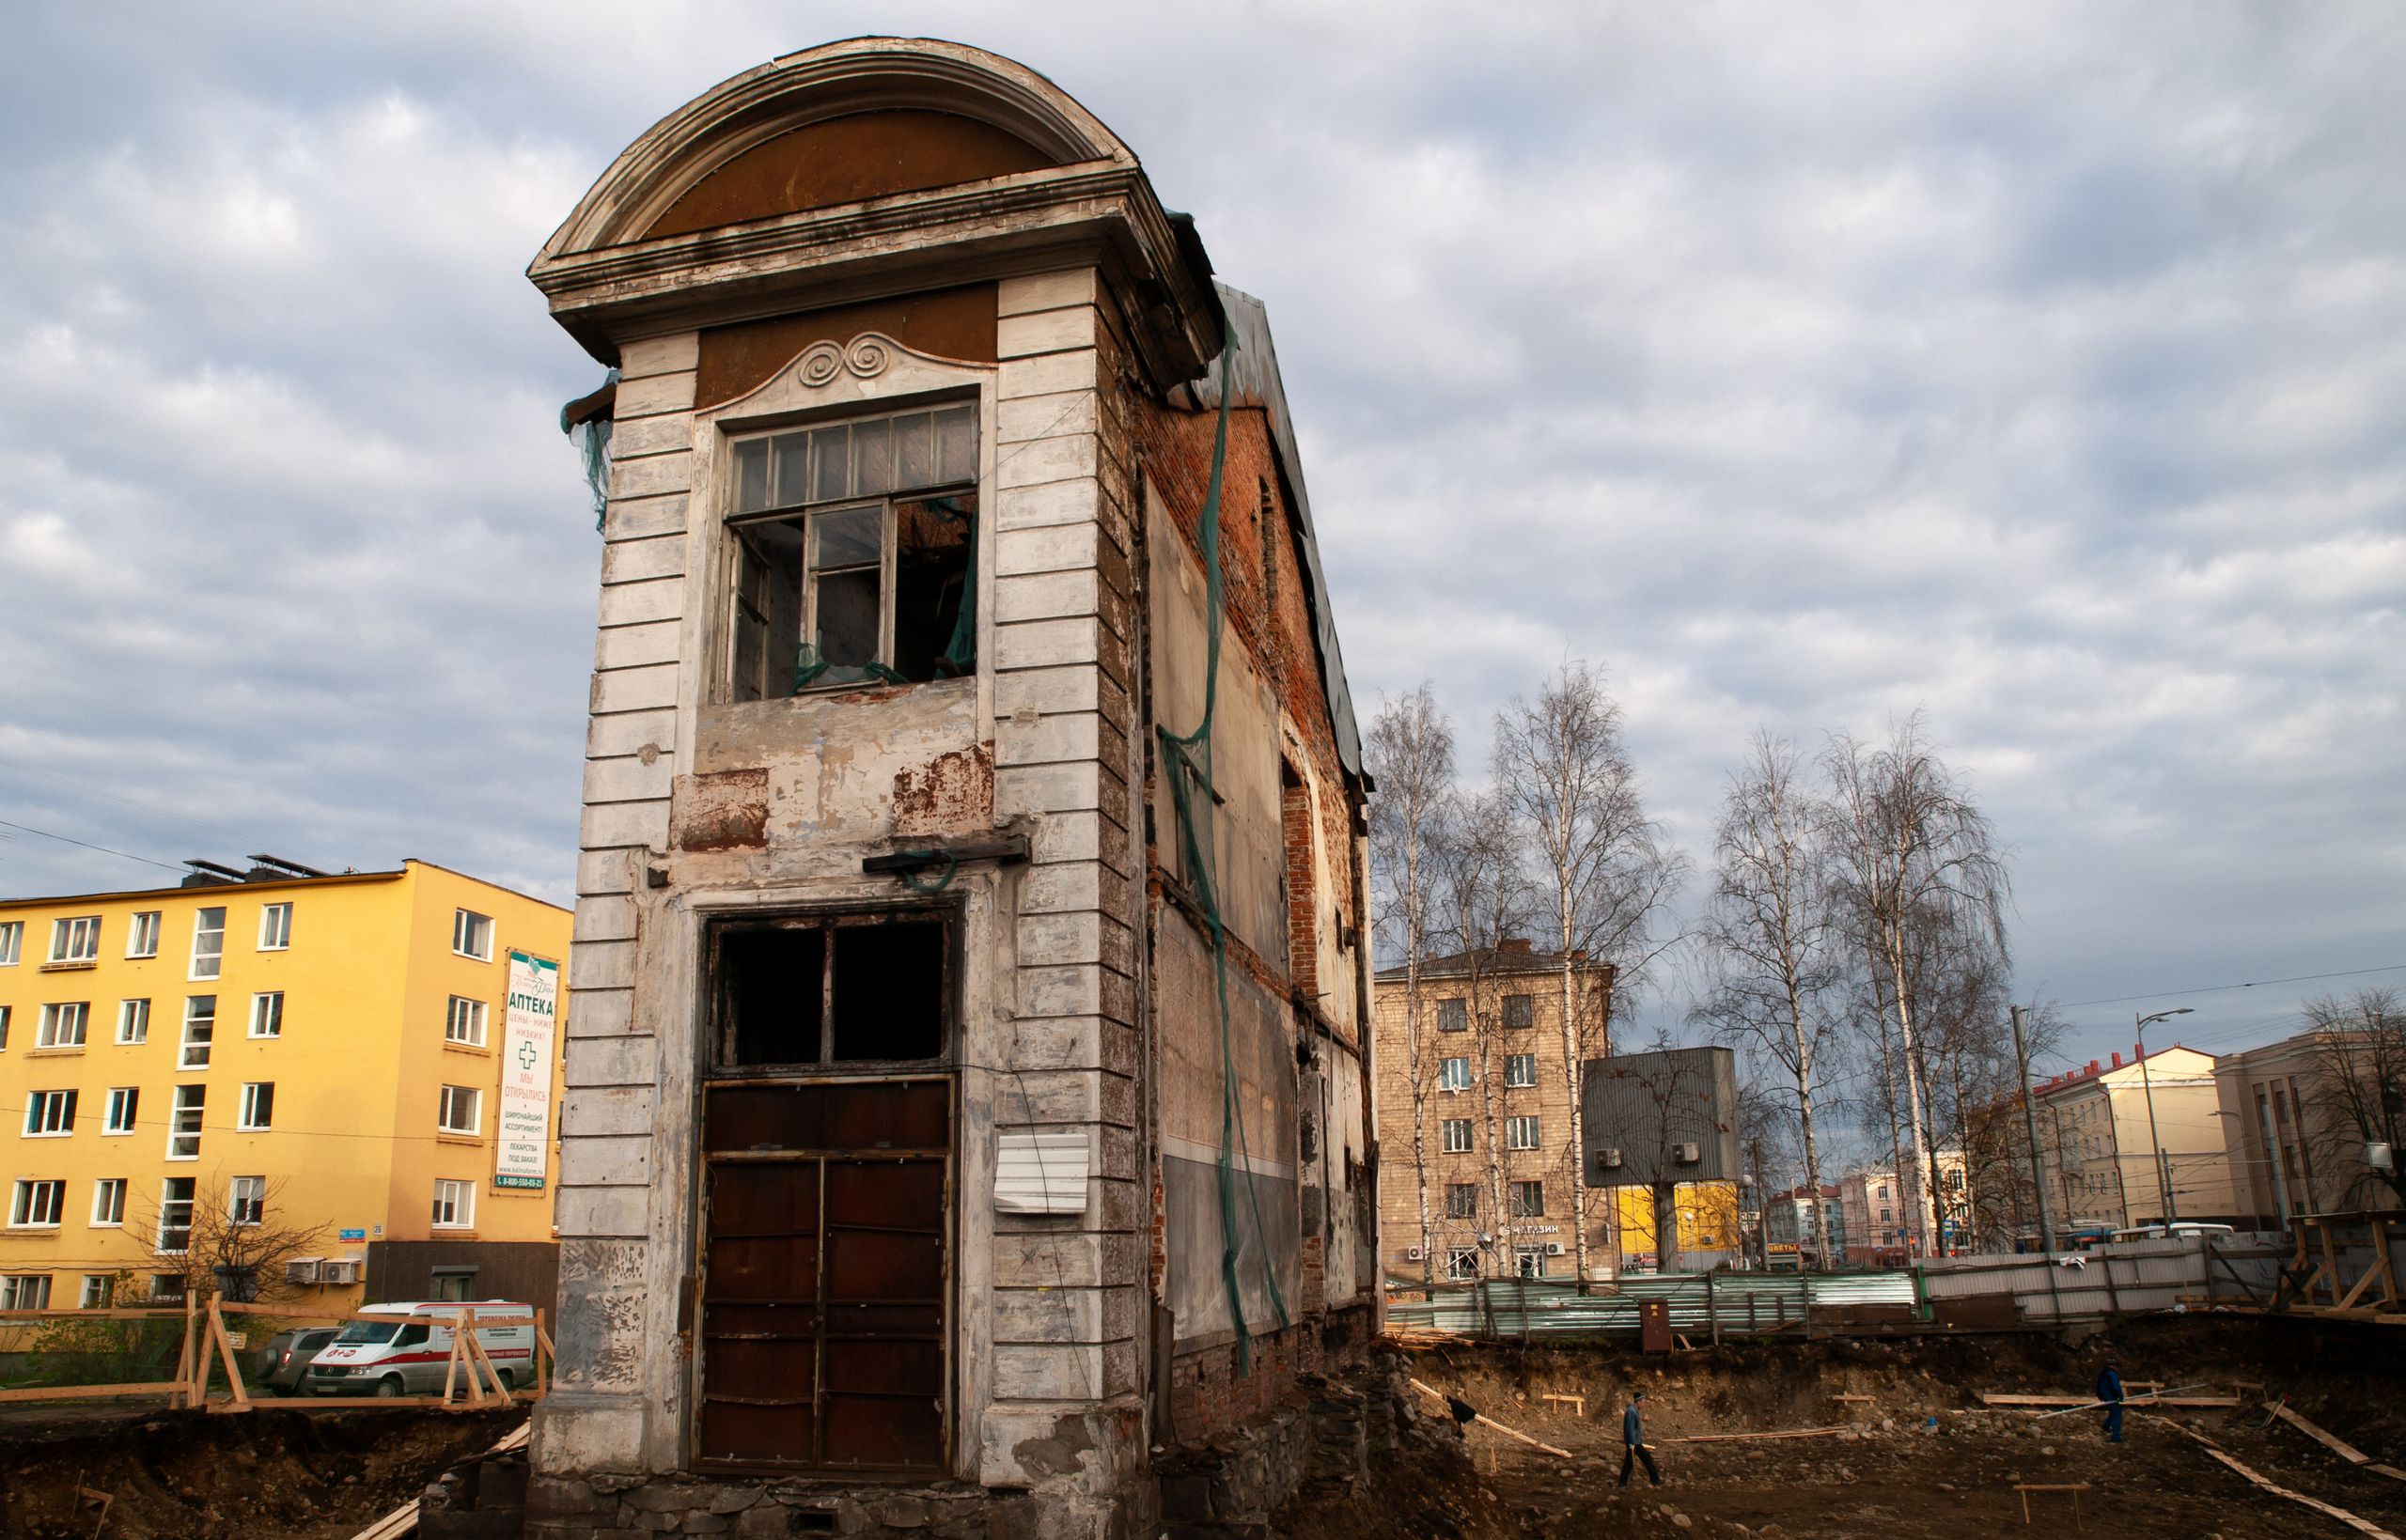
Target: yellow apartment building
369, 1058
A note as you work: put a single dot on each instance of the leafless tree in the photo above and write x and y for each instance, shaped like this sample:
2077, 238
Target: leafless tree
234, 1244
2359, 1090
1410, 754
1767, 937
1480, 899
1914, 858
1603, 870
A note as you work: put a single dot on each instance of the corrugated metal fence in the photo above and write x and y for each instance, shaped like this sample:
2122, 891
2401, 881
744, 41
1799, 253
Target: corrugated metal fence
1979, 1292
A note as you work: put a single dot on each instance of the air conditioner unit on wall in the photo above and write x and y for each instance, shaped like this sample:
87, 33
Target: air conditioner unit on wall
344, 1270
1690, 1154
1609, 1160
1412, 1253
1554, 1248
302, 1270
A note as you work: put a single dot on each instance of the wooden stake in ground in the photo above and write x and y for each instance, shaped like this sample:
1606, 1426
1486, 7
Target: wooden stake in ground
2361, 1525
2075, 1488
1490, 1422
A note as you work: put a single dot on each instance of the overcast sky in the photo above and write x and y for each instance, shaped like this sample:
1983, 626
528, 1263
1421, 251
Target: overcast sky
2042, 366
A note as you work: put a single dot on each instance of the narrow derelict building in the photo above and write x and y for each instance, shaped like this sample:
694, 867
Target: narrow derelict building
966, 1079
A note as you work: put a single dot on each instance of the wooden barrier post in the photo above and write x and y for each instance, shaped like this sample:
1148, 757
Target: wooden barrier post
225, 1349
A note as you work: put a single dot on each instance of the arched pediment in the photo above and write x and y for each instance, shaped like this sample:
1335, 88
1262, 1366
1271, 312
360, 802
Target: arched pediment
864, 118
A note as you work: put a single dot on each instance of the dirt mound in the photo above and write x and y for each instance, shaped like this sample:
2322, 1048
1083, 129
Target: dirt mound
264, 1475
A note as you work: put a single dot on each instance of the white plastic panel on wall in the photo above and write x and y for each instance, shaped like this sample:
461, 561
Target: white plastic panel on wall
1040, 1174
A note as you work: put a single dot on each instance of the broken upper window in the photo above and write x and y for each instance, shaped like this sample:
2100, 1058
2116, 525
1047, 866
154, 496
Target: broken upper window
855, 554
831, 989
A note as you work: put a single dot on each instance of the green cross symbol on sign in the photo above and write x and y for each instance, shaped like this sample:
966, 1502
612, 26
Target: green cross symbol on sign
525, 1055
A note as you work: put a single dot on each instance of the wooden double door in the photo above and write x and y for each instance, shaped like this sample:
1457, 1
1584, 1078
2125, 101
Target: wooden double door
825, 1275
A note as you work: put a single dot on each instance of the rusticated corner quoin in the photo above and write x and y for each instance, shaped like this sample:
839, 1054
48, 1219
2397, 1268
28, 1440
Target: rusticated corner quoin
728, 810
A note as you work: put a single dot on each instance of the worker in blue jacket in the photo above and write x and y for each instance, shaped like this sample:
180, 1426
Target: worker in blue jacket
2109, 1391
1633, 1441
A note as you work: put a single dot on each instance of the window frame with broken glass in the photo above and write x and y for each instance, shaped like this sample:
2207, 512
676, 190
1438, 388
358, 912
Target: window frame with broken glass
865, 574
737, 1048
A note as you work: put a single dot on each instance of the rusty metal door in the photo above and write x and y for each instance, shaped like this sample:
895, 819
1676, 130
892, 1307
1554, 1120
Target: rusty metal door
825, 1275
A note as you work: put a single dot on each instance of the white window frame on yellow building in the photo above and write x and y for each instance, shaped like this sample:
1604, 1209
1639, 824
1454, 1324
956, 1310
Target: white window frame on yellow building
470, 931
275, 927
39, 1203
75, 939
123, 1107
142, 933
214, 954
65, 1023
108, 1203
50, 1114
167, 1203
99, 1292
267, 1014
462, 1198
257, 1113
24, 1291
205, 1041
13, 939
184, 1121
448, 1106
133, 1020
246, 1199
464, 1022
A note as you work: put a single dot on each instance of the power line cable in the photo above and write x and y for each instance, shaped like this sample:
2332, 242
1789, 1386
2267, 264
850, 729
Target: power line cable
115, 797
2216, 989
176, 866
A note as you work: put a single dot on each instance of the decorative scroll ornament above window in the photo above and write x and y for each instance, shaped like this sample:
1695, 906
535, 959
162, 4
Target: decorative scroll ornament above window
864, 357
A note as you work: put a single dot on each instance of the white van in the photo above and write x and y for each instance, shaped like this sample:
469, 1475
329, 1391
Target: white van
410, 1354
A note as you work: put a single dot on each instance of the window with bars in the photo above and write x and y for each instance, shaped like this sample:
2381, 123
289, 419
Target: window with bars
1461, 1200
64, 1026
1528, 1200
853, 553
1462, 1262
1455, 1134
1521, 1133
208, 942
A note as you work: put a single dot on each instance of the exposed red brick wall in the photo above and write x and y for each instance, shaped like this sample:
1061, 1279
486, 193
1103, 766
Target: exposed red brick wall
1208, 1397
1302, 928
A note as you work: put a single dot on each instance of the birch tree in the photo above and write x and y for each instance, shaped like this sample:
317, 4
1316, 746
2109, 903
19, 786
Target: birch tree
1912, 859
1601, 869
1410, 754
1768, 937
1481, 899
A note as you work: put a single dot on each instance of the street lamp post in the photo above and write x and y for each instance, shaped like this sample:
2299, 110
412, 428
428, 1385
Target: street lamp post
2162, 1172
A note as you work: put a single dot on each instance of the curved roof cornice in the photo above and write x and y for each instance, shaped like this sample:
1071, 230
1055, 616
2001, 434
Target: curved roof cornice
831, 81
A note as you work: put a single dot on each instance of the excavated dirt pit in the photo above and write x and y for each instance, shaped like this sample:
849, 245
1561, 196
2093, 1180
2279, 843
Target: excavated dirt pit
264, 1475
1920, 1458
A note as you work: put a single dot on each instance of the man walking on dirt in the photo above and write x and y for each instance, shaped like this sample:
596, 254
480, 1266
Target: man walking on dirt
2109, 1391
1632, 1441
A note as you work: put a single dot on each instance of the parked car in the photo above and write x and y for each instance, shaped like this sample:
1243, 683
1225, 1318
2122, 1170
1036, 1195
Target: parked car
410, 1353
283, 1358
